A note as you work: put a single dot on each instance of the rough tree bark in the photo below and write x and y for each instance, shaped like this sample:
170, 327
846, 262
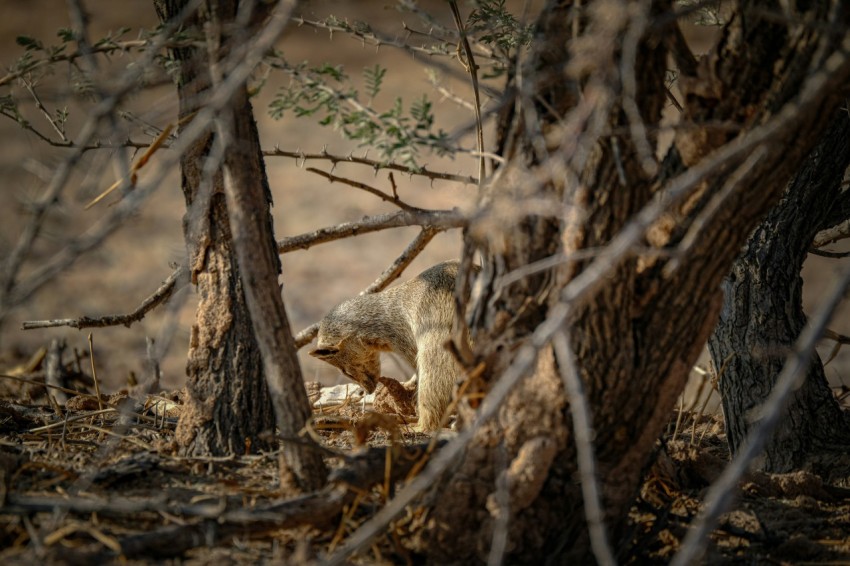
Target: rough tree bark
762, 316
248, 199
228, 403
636, 337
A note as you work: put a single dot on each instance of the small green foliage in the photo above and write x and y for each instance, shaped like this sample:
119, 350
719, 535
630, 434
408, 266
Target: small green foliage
494, 25
373, 78
66, 35
29, 43
325, 92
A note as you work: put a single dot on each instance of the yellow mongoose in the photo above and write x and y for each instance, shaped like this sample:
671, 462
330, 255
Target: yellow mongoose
415, 320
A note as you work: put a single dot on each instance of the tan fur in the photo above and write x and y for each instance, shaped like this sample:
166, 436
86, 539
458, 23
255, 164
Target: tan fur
414, 320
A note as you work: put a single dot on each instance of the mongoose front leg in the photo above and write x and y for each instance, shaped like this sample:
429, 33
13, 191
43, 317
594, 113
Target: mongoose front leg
437, 372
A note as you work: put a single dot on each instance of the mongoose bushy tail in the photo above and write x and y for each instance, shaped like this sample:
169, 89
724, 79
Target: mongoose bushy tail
415, 320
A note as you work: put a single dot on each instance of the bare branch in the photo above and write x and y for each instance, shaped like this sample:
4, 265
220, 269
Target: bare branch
831, 235
334, 159
832, 255
439, 219
364, 187
583, 434
174, 282
472, 69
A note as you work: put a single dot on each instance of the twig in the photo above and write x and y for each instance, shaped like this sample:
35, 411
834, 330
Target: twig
335, 159
832, 255
364, 187
389, 275
768, 415
94, 373
41, 107
439, 219
472, 69
638, 23
70, 57
373, 38
583, 434
831, 235
47, 385
69, 419
174, 282
397, 267
157, 143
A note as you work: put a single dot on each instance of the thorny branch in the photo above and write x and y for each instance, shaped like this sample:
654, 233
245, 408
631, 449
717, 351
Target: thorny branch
433, 222
364, 187
438, 219
335, 159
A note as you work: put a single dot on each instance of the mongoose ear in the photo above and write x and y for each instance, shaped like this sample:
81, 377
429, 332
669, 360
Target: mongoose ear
322, 353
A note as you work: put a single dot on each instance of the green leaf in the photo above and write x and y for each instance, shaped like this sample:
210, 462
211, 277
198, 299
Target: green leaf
29, 43
374, 77
66, 35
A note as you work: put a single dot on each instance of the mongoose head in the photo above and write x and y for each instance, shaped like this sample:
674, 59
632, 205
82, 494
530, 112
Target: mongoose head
353, 358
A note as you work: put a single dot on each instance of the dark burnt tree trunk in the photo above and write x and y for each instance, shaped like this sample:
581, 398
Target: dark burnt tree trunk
762, 316
637, 335
227, 404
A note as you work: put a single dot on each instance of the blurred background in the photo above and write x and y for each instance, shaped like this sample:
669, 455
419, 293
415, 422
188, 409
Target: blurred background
133, 262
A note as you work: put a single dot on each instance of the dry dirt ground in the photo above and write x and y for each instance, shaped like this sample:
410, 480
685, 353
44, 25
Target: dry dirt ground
101, 483
83, 486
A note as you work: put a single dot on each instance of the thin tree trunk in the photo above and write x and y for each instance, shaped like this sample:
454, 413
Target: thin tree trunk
248, 200
762, 316
227, 402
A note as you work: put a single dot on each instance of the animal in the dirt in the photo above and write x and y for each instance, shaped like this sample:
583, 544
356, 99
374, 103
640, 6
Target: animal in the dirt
415, 320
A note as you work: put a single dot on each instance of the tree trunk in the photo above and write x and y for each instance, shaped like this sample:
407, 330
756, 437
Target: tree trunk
762, 316
227, 403
636, 336
248, 200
